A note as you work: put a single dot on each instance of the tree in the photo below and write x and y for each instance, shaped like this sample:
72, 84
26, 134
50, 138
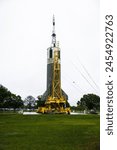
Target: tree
30, 102
16, 101
4, 95
90, 101
40, 103
9, 100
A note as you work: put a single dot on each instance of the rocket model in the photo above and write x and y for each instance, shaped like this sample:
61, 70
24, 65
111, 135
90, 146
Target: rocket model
55, 98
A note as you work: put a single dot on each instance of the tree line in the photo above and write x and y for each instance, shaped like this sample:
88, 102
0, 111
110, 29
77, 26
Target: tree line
10, 100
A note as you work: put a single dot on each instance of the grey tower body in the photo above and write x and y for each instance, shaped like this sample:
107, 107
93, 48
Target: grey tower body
50, 67
50, 64
49, 70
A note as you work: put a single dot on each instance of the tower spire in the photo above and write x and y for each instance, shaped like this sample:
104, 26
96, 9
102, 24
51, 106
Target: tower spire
53, 33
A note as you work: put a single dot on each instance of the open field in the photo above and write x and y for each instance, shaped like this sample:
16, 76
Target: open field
49, 132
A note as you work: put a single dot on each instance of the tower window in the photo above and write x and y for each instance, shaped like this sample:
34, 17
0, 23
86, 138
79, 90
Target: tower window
50, 53
59, 54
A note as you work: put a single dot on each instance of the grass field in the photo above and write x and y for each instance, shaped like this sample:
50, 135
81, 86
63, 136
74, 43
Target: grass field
49, 132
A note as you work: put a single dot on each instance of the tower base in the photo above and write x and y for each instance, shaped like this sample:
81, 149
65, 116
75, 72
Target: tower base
54, 106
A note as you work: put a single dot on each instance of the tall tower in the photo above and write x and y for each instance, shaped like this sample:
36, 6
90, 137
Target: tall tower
55, 99
53, 67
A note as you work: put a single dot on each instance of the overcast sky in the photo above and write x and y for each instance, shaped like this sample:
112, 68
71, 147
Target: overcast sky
25, 35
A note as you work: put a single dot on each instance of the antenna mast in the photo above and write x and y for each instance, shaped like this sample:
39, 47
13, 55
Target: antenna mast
53, 33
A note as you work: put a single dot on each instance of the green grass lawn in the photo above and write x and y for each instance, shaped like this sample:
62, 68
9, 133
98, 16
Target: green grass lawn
49, 132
